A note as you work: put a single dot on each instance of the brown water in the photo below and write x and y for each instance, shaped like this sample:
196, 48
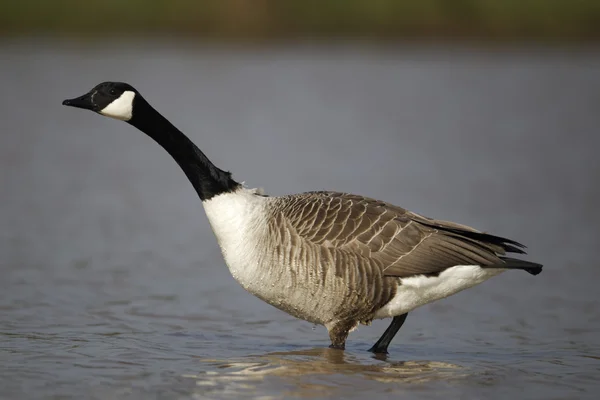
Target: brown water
112, 284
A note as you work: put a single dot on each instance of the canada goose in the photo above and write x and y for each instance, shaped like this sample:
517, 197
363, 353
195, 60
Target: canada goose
329, 258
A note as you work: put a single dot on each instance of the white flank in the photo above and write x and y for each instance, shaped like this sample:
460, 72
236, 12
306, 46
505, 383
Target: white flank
121, 108
238, 221
419, 290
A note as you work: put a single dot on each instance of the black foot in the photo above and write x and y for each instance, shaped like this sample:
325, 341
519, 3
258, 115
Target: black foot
337, 346
380, 347
378, 350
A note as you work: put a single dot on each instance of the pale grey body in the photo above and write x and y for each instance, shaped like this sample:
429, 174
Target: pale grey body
338, 259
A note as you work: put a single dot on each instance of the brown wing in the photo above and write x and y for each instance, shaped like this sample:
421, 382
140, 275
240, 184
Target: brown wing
400, 242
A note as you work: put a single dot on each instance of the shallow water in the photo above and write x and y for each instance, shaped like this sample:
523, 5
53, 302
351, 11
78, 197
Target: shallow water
112, 284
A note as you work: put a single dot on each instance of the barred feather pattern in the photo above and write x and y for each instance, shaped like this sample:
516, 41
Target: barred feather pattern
340, 256
335, 258
322, 284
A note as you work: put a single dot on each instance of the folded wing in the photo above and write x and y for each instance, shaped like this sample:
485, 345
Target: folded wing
399, 242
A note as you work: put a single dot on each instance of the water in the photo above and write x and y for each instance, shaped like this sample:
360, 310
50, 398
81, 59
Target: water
112, 284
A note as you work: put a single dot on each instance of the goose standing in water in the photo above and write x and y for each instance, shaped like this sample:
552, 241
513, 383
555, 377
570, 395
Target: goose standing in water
334, 259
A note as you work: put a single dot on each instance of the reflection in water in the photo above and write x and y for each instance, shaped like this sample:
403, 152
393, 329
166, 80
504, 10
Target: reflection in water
305, 373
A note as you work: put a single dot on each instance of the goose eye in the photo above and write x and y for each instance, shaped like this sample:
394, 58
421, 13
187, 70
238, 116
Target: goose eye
113, 91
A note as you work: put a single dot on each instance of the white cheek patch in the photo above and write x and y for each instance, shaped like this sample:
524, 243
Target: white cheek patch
121, 108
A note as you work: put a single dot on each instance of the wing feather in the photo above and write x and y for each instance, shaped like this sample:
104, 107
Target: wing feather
393, 239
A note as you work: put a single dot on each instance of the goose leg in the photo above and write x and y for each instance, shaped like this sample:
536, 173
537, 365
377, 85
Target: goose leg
384, 341
338, 334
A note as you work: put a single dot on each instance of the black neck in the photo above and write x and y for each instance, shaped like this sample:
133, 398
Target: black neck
207, 179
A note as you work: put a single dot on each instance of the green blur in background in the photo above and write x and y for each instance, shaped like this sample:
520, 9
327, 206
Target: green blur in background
268, 20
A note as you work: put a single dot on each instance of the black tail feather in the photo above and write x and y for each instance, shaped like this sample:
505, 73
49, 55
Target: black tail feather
513, 263
508, 245
513, 249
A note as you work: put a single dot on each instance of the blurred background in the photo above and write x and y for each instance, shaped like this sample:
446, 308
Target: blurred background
273, 20
481, 112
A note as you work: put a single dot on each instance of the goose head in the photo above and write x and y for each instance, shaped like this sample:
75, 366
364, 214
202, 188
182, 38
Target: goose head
111, 99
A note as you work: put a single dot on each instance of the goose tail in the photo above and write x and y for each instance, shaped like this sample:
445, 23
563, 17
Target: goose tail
514, 263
